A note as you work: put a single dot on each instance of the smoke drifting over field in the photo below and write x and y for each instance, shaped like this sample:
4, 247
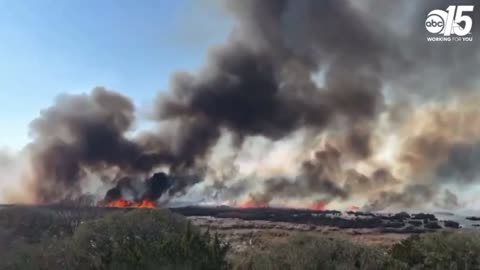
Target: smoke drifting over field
363, 108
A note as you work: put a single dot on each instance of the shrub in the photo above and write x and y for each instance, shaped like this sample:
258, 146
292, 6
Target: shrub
313, 252
441, 250
147, 239
29, 224
139, 239
33, 224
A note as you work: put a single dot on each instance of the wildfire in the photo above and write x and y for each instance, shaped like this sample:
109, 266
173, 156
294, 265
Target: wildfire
318, 205
145, 204
253, 204
122, 203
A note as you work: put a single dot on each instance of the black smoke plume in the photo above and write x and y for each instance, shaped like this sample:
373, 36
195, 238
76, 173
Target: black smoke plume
80, 134
150, 189
260, 82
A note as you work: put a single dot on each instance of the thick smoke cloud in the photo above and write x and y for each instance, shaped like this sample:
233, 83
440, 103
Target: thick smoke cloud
449, 200
411, 197
11, 169
150, 189
461, 164
288, 67
260, 84
317, 176
321, 177
80, 134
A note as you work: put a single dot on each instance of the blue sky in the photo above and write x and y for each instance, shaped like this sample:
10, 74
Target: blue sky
49, 47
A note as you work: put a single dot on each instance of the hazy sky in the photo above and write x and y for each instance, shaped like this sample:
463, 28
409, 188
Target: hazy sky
50, 47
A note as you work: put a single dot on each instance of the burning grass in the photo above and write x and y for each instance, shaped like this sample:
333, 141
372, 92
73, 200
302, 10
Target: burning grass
318, 205
122, 203
253, 204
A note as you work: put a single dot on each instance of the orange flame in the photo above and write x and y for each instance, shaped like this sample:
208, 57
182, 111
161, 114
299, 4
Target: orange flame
122, 203
253, 204
354, 208
318, 205
145, 204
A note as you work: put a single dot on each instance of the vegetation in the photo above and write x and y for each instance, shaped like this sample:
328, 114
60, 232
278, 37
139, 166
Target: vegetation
139, 239
458, 250
311, 252
443, 250
102, 239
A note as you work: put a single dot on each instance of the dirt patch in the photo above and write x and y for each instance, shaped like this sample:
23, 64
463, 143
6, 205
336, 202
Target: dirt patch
247, 234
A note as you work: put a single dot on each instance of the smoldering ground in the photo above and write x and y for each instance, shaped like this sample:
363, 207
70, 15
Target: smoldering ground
323, 70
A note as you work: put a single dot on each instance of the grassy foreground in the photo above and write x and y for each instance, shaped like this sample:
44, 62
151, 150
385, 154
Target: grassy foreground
57, 238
